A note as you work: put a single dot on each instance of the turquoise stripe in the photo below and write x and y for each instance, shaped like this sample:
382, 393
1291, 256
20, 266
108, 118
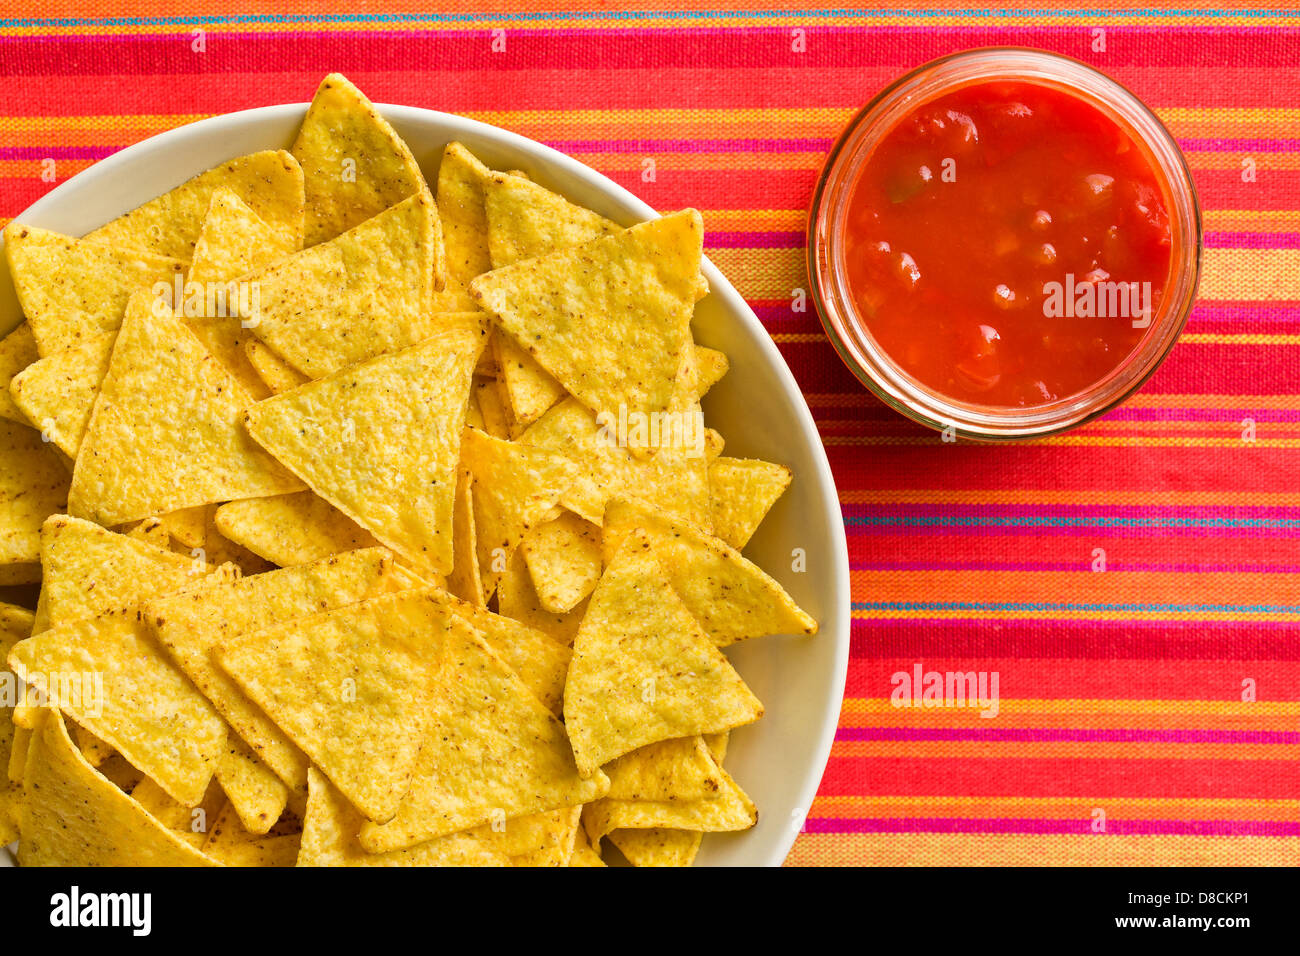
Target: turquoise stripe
631, 16
1011, 521
1019, 606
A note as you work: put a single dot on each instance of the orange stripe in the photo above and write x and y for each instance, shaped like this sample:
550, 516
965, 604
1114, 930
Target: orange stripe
1059, 750
1054, 808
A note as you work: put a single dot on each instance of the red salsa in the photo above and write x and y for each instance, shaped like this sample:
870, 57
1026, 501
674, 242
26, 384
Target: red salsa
1007, 244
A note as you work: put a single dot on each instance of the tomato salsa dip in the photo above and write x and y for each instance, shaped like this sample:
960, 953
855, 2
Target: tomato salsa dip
1008, 249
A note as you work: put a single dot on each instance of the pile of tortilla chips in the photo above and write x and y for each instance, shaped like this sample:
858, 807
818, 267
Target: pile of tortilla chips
375, 522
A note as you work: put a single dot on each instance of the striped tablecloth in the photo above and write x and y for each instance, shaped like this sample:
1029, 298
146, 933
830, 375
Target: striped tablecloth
1122, 735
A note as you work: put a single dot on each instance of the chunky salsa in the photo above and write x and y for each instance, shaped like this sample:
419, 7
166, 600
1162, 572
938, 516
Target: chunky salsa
1007, 244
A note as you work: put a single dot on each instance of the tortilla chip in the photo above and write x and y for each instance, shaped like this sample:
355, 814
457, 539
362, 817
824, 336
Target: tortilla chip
17, 351
108, 674
491, 751
165, 433
717, 744
234, 241
291, 529
192, 823
543, 839
33, 486
58, 392
674, 480
190, 625
744, 490
150, 531
411, 405
642, 669
491, 409
276, 374
82, 819
329, 838
525, 220
354, 688
583, 854
464, 579
355, 165
711, 366
92, 748
530, 389
657, 847
461, 180
229, 843
517, 599
270, 182
713, 444
515, 487
257, 794
680, 768
564, 560
620, 339
731, 597
71, 289
15, 625
361, 294
90, 570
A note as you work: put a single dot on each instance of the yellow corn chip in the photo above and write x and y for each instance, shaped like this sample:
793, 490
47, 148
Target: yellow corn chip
355, 165
681, 768
191, 624
165, 433
515, 487
329, 838
187, 526
108, 674
543, 839
192, 823
82, 819
525, 220
564, 560
517, 599
361, 294
711, 366
150, 531
33, 486
461, 179
620, 339
257, 794
17, 351
270, 182
491, 410
674, 480
657, 847
464, 580
583, 854
234, 241
717, 744
731, 597
276, 374
380, 442
90, 570
218, 549
15, 625
71, 289
744, 490
57, 393
291, 529
531, 389
491, 751
642, 668
229, 843
92, 748
353, 688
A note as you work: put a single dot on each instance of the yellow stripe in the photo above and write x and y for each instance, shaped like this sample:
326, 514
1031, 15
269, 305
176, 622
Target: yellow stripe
1276, 499
1060, 615
1013, 706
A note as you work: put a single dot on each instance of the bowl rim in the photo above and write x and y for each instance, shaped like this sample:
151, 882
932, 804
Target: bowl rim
836, 624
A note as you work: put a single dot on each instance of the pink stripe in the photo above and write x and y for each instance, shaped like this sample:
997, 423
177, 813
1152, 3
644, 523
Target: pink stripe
1114, 827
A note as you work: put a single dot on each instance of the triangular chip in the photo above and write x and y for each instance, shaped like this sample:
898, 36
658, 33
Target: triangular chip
564, 560
355, 165
354, 688
17, 351
270, 182
674, 480
71, 289
543, 839
361, 294
276, 374
57, 393
83, 819
525, 220
731, 597
109, 675
492, 751
461, 179
15, 625
166, 432
257, 794
234, 241
329, 838
620, 339
744, 490
531, 389
517, 599
380, 442
583, 854
190, 823
291, 529
711, 366
90, 570
192, 624
657, 847
33, 486
515, 486
230, 843
642, 668
464, 579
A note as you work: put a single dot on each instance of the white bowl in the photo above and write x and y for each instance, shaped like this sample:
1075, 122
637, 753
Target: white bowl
757, 407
